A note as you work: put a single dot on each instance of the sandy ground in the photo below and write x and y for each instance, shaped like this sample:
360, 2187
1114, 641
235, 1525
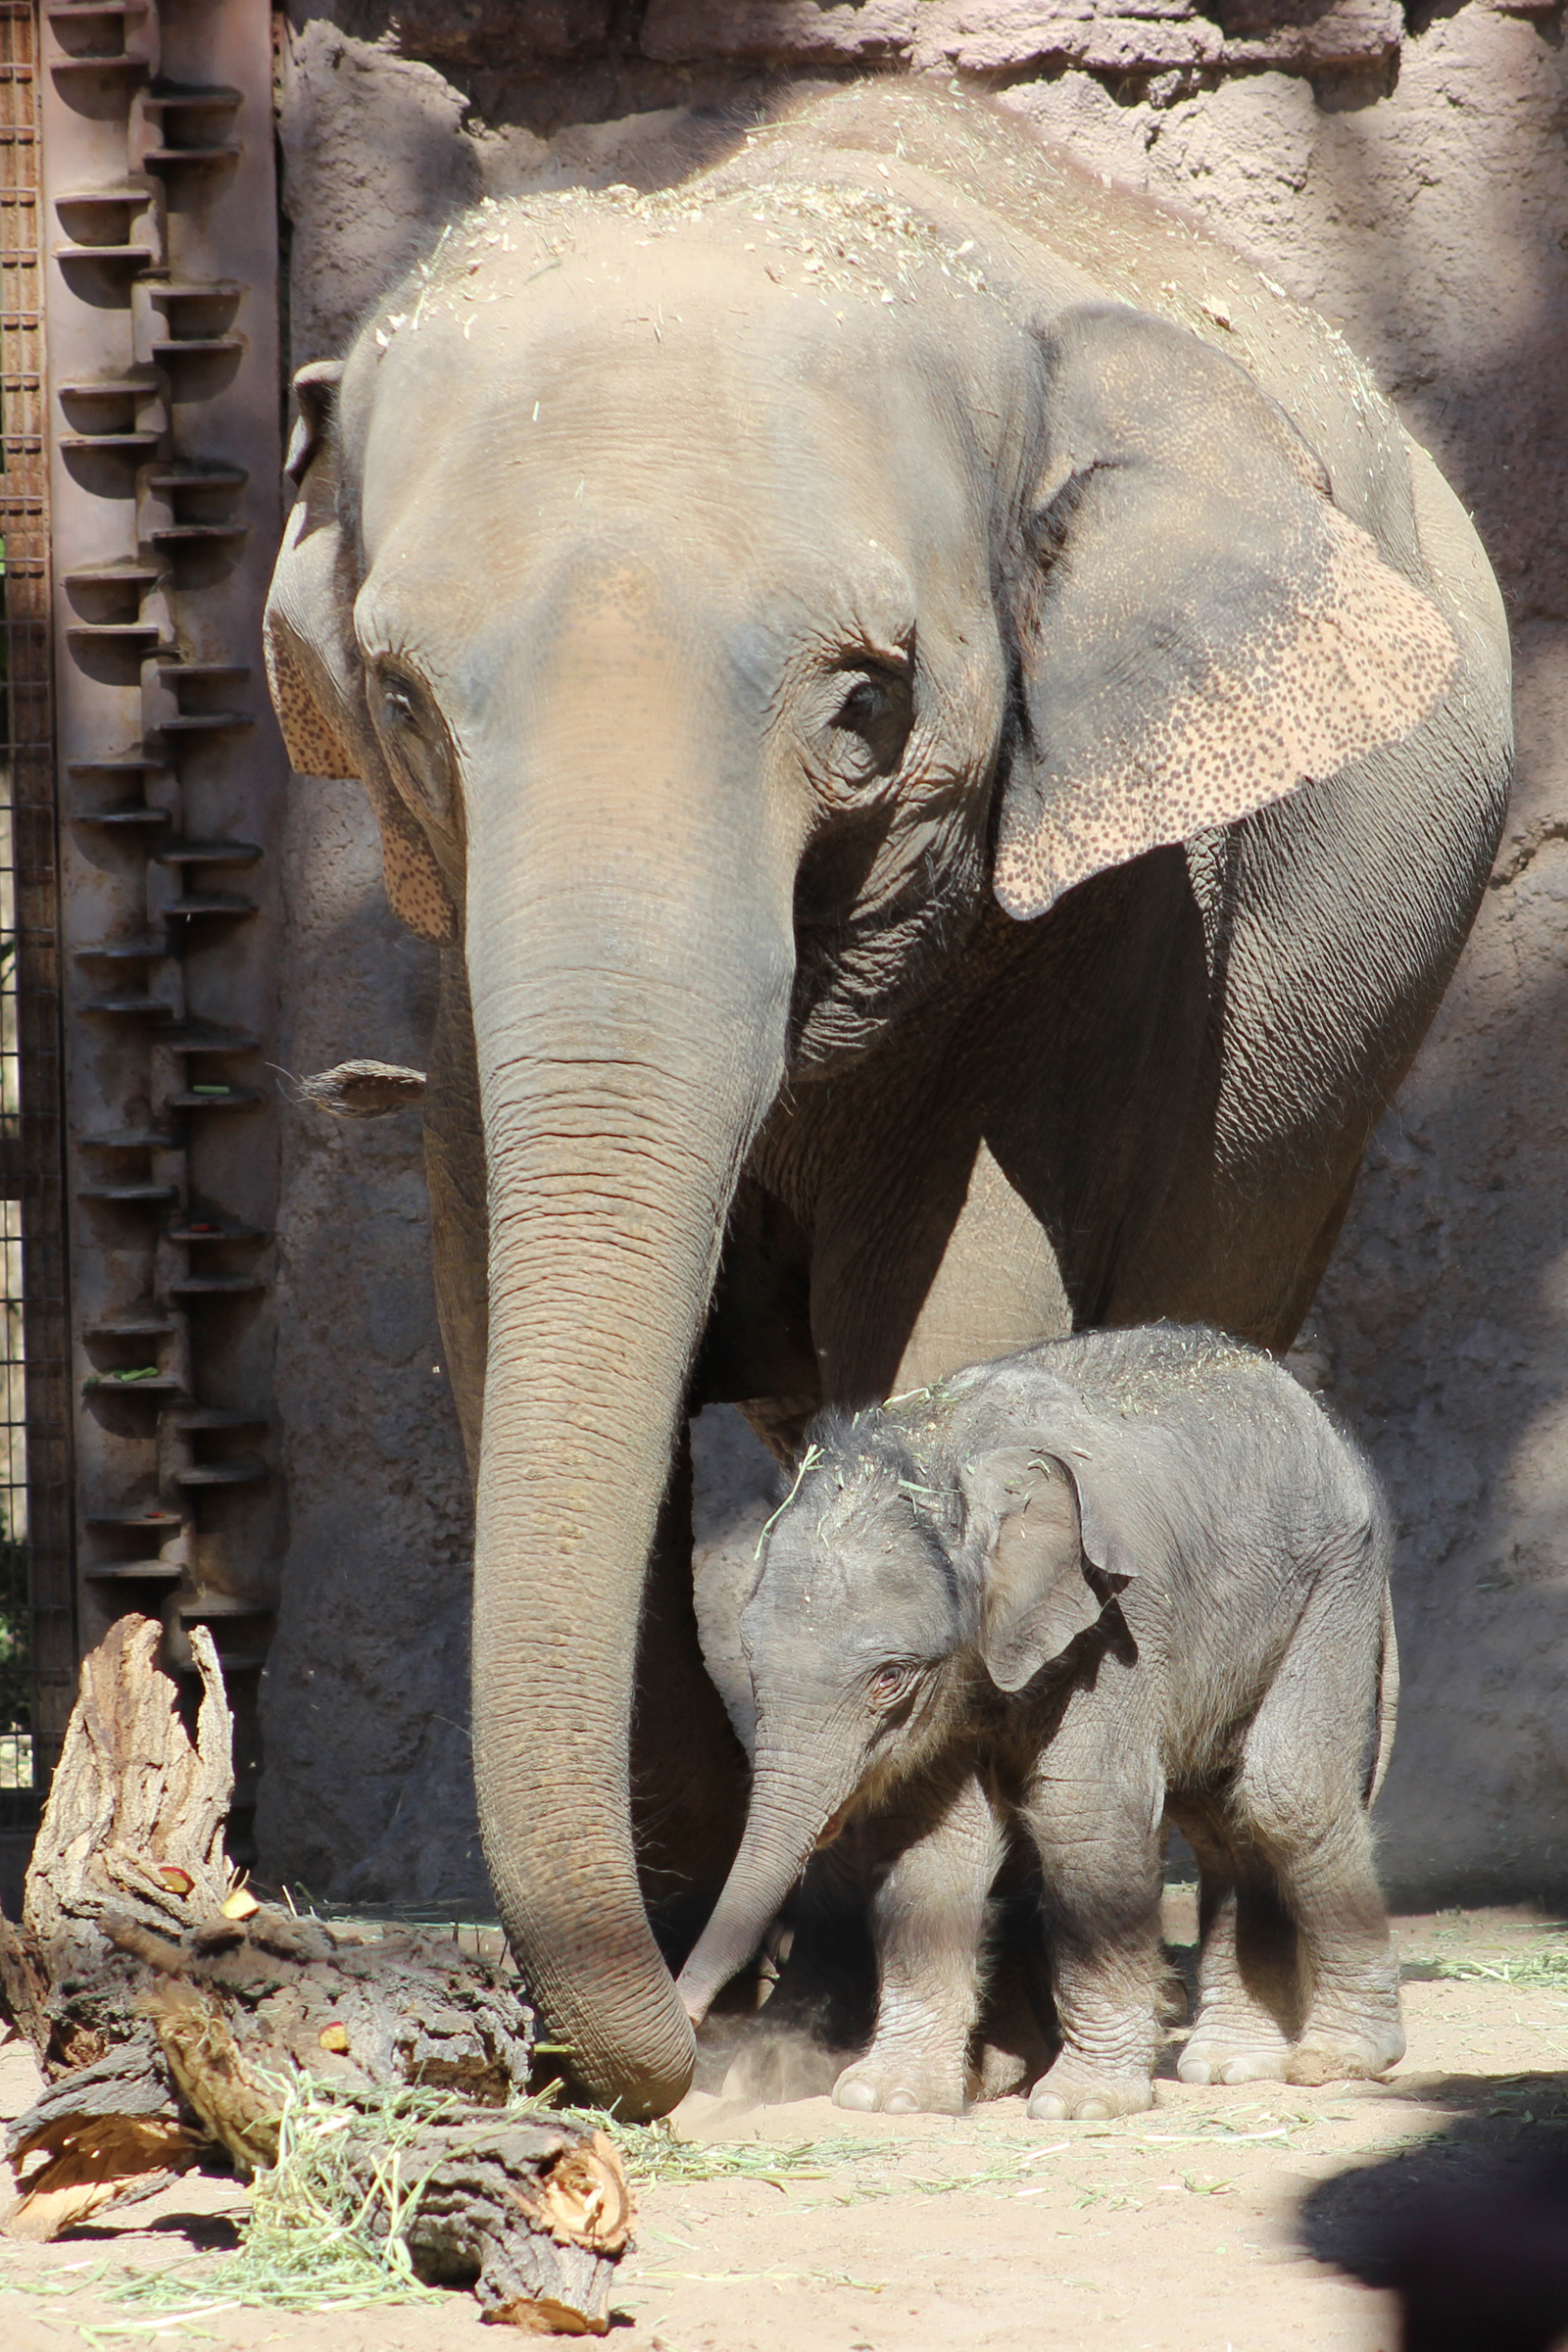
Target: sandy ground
1176, 2231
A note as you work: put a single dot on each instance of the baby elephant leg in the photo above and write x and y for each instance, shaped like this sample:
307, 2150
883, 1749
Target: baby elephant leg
1302, 1797
1095, 1817
1351, 1979
1248, 1972
928, 1919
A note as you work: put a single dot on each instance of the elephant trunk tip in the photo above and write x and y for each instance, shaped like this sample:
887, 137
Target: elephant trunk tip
697, 1991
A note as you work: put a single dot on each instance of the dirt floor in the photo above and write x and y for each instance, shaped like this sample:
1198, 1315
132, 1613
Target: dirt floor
1184, 2231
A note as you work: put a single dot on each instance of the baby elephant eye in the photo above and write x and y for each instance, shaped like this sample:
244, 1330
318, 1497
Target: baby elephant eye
888, 1683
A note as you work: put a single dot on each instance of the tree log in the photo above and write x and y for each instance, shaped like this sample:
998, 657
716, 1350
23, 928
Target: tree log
166, 2006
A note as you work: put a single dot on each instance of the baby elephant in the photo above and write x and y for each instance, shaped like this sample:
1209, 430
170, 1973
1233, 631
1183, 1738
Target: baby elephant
1112, 1582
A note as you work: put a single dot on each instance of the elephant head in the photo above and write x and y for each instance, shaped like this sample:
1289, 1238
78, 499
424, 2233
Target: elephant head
709, 649
888, 1594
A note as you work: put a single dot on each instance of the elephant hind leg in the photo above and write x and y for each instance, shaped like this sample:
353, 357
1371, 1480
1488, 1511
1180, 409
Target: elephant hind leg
1017, 2037
1301, 1801
1249, 2007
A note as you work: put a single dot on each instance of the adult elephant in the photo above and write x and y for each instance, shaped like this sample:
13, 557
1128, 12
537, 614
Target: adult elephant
950, 744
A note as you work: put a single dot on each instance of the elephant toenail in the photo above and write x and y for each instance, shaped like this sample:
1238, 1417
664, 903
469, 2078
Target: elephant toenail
858, 2095
901, 2102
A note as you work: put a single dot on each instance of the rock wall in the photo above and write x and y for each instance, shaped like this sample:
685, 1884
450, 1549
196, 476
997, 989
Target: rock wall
1407, 173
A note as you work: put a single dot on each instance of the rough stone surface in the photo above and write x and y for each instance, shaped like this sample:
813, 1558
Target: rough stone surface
800, 33
1424, 212
368, 1791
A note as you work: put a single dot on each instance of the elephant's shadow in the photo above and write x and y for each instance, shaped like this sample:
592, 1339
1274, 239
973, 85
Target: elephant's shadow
1469, 2229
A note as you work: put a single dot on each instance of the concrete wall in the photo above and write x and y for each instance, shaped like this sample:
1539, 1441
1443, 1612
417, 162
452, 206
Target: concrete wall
1410, 179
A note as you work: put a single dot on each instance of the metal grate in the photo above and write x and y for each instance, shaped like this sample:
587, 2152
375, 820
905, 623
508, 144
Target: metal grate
37, 1612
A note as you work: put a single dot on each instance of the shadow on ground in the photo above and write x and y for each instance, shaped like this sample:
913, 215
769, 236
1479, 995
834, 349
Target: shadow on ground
1468, 2228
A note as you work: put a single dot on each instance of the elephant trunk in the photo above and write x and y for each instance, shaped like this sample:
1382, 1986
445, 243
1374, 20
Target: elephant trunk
788, 1815
630, 1039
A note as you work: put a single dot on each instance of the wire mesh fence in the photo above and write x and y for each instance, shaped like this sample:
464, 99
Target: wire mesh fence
37, 1614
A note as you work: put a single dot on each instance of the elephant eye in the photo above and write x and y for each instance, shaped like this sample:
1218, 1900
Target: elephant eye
416, 742
874, 721
886, 1685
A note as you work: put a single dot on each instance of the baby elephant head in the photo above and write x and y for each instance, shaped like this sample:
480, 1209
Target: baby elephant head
884, 1590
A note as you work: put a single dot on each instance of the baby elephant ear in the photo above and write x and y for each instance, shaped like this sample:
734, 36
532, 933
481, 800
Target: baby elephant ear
1201, 630
1035, 1596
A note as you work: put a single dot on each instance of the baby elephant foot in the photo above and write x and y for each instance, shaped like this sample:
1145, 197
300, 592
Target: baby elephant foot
1074, 2093
1330, 2054
775, 2070
886, 2084
1220, 2057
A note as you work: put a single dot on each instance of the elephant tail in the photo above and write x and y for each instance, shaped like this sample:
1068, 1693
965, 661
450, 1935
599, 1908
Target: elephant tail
361, 1090
1387, 1700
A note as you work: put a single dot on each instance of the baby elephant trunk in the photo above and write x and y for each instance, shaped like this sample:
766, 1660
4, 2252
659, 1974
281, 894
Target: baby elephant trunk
787, 1819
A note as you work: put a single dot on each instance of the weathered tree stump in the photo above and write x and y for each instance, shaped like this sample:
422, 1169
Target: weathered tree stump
166, 2007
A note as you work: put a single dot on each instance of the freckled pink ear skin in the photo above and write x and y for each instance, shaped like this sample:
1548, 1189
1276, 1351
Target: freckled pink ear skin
313, 745
1209, 632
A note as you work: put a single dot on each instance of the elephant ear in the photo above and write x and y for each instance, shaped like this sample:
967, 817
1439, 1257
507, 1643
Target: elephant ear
1201, 629
1036, 1561
313, 663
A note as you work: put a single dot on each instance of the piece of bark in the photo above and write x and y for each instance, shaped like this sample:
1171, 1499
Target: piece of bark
24, 1987
233, 2104
362, 1090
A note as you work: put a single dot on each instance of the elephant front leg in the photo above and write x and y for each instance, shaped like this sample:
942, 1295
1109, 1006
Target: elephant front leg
1095, 1819
928, 1919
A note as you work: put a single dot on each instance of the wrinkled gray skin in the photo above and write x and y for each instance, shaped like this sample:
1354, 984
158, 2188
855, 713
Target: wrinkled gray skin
1104, 1584
949, 744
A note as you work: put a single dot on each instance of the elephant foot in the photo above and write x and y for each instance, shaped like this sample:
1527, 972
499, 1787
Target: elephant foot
1224, 2062
998, 2071
1014, 2040
774, 2067
1234, 2040
1171, 2004
888, 2083
1348, 2054
1074, 2091
719, 2040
